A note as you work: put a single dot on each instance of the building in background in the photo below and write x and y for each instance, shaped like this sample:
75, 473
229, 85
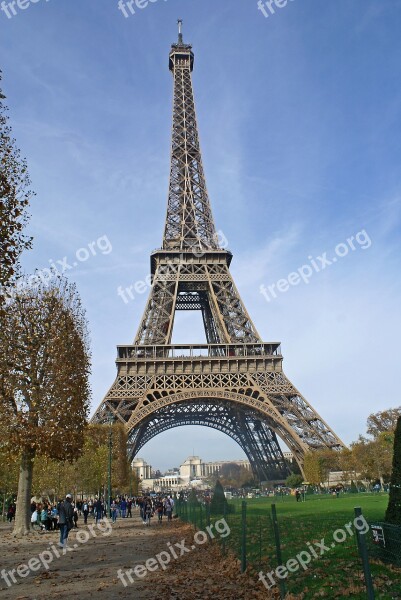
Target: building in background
141, 468
193, 471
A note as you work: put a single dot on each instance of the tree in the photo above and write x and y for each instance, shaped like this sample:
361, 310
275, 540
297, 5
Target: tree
134, 482
193, 498
88, 474
91, 468
346, 461
14, 199
312, 468
121, 466
219, 504
234, 475
384, 421
372, 458
44, 388
230, 474
383, 454
51, 478
294, 480
363, 459
319, 463
393, 513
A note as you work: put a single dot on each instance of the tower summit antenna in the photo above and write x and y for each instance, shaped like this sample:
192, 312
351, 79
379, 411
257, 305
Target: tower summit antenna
180, 38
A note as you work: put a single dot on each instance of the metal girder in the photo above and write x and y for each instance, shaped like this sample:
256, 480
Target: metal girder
226, 316
235, 371
189, 220
243, 425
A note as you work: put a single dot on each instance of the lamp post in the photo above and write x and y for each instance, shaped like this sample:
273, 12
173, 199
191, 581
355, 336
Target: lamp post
109, 473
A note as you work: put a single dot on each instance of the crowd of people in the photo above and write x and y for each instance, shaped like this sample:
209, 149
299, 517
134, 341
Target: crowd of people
45, 516
157, 506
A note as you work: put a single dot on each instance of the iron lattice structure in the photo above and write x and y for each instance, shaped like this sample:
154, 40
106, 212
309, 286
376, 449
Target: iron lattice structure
235, 382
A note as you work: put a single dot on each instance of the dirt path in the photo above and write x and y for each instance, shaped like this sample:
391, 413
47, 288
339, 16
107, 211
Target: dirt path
96, 554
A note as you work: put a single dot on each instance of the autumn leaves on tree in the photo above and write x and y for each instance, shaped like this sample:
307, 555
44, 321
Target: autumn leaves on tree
44, 369
14, 199
88, 474
368, 459
44, 348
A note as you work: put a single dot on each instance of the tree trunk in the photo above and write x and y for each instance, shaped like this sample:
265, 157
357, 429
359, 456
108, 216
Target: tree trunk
393, 513
3, 516
23, 510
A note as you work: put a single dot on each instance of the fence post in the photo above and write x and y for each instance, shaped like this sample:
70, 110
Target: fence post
363, 553
283, 590
243, 537
224, 539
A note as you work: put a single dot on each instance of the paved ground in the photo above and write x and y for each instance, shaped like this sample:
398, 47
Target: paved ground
96, 554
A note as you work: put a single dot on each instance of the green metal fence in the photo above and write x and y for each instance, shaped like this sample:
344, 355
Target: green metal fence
333, 556
385, 542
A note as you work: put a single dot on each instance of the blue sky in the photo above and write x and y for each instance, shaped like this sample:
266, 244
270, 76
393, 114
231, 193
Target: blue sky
299, 117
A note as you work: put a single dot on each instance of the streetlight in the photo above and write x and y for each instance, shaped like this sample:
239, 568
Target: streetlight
110, 456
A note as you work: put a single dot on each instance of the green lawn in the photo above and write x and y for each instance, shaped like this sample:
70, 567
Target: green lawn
335, 574
373, 505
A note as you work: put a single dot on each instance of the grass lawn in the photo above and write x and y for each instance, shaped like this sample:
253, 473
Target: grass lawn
337, 572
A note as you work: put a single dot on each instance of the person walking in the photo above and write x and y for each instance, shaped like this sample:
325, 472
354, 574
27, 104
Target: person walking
159, 510
85, 510
148, 512
43, 518
113, 511
10, 514
65, 519
35, 520
54, 518
75, 517
141, 504
169, 505
98, 508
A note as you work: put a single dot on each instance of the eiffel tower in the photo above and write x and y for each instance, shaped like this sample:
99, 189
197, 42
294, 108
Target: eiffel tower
235, 382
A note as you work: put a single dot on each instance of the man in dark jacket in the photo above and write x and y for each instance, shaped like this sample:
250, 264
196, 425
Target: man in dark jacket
98, 509
65, 519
